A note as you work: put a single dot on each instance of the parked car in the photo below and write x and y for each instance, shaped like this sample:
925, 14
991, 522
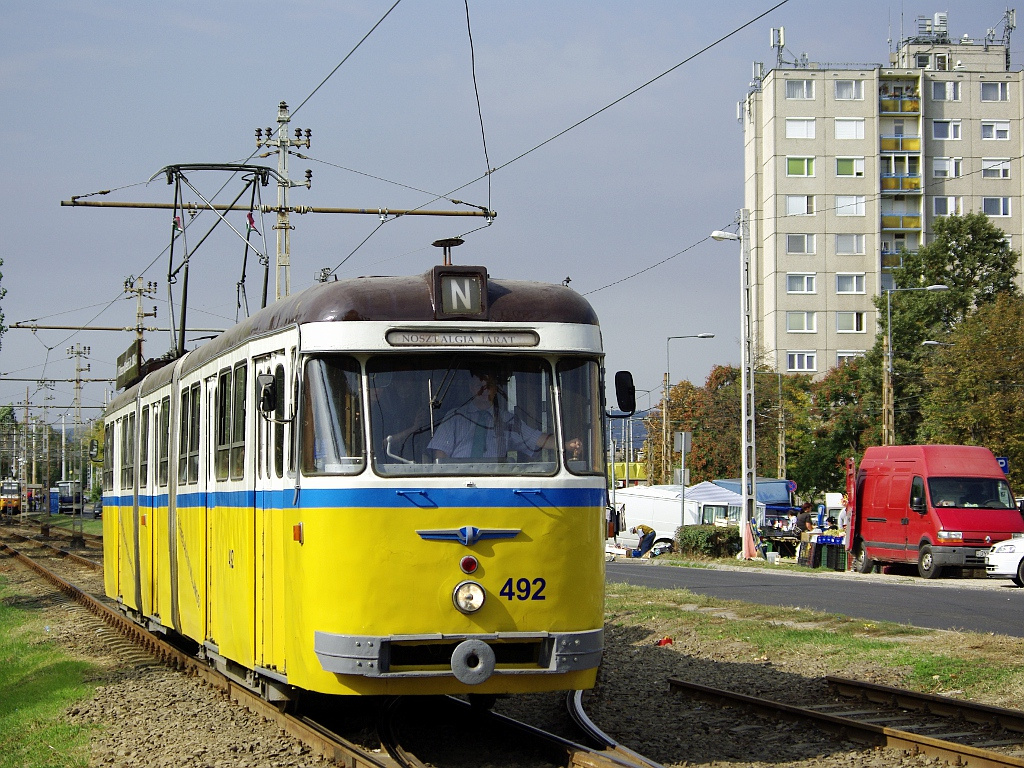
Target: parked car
1006, 560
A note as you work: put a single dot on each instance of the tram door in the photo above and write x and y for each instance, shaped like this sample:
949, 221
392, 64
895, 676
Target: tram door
272, 436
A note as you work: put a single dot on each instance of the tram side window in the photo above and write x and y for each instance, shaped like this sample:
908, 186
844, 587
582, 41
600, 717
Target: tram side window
580, 401
223, 432
108, 457
188, 436
279, 422
193, 436
144, 448
164, 441
332, 432
128, 452
183, 438
238, 422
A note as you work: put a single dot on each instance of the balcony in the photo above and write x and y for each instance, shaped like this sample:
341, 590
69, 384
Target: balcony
900, 143
901, 222
892, 259
901, 182
899, 105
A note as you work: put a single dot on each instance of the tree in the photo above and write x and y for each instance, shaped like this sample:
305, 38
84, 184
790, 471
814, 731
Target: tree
976, 383
833, 429
3, 292
971, 257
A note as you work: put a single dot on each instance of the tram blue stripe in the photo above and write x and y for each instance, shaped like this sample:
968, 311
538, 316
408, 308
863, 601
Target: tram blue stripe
382, 497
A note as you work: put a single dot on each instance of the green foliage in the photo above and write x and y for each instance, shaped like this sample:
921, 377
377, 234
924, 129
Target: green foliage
974, 384
970, 256
39, 682
708, 540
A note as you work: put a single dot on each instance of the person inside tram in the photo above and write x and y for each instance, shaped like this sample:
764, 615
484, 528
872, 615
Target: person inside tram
483, 428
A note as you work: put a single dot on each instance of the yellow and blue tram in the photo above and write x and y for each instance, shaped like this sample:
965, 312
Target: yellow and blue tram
292, 495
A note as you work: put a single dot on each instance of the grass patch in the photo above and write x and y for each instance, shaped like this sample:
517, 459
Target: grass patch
39, 681
921, 659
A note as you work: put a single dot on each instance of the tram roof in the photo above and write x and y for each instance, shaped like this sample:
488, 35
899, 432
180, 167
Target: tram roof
390, 299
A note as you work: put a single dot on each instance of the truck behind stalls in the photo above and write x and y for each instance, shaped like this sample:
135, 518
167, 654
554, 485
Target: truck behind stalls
935, 505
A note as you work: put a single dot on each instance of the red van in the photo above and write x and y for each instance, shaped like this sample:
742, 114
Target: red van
936, 505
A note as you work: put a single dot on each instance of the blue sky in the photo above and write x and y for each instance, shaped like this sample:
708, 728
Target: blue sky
101, 95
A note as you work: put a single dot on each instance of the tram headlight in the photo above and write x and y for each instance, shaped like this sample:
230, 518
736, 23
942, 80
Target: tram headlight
468, 597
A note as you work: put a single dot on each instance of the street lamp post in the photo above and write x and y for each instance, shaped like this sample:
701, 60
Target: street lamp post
664, 416
749, 455
888, 406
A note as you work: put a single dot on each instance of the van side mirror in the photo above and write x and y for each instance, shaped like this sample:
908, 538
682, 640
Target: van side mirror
917, 504
267, 394
625, 392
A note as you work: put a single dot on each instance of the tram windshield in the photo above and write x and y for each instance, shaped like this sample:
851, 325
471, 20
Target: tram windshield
467, 414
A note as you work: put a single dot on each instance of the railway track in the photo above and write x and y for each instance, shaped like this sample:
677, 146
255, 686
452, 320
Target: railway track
960, 732
75, 578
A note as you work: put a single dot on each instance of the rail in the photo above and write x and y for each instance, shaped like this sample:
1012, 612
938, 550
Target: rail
860, 725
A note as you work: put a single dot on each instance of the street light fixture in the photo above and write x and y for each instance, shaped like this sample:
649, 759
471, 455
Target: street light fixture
748, 482
664, 415
888, 408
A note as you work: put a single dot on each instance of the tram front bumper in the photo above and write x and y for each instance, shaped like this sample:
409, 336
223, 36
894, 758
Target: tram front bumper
470, 658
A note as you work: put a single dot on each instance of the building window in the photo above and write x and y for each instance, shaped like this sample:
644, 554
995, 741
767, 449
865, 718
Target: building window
996, 130
848, 244
941, 62
799, 243
849, 128
924, 60
945, 90
946, 129
849, 205
995, 206
801, 322
850, 166
947, 167
799, 127
799, 205
799, 166
798, 282
847, 90
995, 167
844, 356
800, 361
995, 91
947, 206
800, 89
849, 322
850, 283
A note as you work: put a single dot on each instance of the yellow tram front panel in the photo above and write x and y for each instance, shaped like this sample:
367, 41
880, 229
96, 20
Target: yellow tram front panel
377, 572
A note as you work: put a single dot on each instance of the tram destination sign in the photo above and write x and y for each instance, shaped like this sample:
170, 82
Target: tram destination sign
128, 364
426, 338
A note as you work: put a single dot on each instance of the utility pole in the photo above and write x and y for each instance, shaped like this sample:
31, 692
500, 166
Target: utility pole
78, 352
281, 141
135, 285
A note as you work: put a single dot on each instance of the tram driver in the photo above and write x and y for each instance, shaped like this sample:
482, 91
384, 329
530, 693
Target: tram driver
483, 428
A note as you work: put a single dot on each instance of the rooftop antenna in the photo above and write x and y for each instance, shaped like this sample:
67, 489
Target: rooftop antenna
778, 41
447, 243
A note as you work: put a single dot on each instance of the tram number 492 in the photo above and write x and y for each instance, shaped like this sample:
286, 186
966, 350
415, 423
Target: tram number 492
524, 589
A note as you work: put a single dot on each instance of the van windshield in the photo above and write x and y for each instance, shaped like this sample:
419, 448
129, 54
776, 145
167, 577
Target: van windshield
969, 492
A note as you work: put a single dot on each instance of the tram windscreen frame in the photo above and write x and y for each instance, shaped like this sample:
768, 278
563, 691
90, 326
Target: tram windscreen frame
427, 412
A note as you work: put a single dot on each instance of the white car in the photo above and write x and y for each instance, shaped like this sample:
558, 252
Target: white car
1006, 560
